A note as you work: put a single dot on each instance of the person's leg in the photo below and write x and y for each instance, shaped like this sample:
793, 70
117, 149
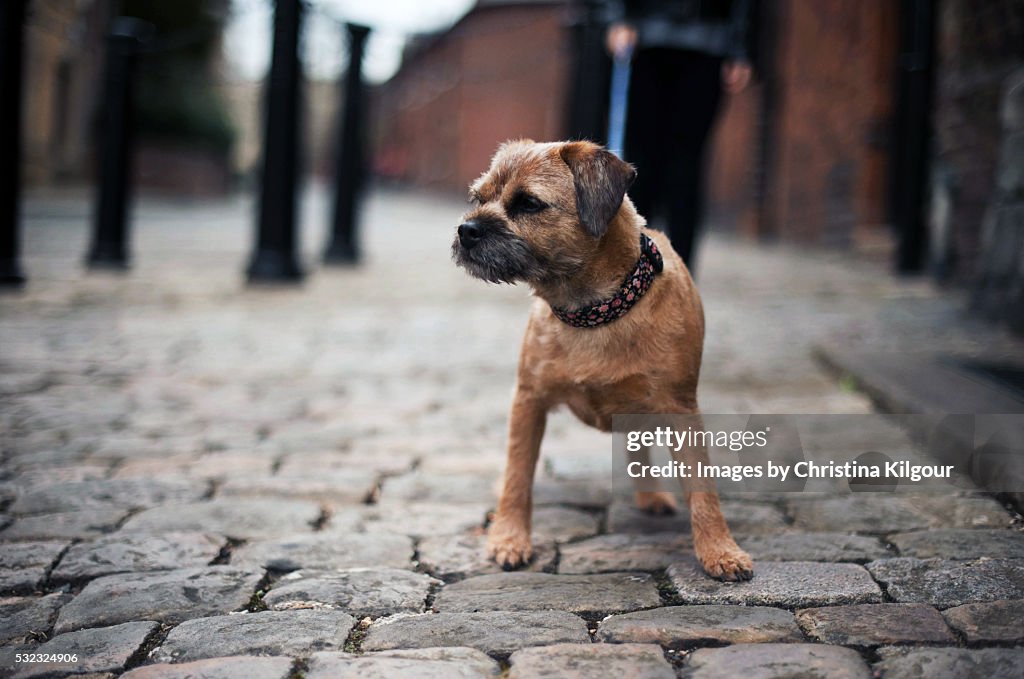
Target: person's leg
696, 102
645, 122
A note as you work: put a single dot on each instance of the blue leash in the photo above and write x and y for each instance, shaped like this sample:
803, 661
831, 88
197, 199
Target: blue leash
618, 102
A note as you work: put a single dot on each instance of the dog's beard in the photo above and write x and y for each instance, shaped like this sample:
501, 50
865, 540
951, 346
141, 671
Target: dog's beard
498, 259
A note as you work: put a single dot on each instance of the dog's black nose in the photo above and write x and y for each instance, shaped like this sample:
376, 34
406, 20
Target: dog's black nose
470, 233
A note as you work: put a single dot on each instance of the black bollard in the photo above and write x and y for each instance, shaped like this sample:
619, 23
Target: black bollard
109, 248
350, 166
12, 31
274, 259
912, 134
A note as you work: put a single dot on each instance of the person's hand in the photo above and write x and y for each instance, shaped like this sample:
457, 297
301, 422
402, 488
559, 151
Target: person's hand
735, 76
620, 39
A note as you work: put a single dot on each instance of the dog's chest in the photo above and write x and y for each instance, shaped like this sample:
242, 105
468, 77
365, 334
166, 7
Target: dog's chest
595, 403
603, 372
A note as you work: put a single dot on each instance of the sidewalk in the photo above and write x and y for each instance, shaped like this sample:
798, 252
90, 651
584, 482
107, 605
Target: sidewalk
178, 447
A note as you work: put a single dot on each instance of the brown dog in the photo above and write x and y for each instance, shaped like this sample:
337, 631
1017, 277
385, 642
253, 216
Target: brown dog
617, 327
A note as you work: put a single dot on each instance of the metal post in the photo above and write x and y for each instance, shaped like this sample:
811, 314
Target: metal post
769, 20
350, 167
913, 128
12, 26
110, 229
274, 258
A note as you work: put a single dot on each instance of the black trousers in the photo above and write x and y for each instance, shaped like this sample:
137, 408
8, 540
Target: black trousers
674, 96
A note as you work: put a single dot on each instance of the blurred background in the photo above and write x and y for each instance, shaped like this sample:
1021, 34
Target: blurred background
225, 232
873, 127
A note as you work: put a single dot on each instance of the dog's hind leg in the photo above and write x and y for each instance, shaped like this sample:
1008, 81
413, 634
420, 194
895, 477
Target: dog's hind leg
649, 496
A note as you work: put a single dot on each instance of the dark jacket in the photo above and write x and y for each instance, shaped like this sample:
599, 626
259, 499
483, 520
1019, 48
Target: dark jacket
722, 28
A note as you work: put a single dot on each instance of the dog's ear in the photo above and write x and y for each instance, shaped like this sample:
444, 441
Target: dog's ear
601, 179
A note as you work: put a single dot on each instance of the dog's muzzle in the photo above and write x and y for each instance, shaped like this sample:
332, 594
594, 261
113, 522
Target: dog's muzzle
488, 250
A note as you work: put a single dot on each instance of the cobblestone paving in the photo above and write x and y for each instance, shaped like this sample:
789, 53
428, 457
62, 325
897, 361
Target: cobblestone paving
195, 473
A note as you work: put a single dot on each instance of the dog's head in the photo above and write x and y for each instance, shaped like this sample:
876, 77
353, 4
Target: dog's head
540, 211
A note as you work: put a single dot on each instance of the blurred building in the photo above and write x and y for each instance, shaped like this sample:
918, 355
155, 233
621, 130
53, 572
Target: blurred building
827, 126
65, 42
63, 57
802, 155
177, 102
500, 73
878, 126
822, 150
504, 71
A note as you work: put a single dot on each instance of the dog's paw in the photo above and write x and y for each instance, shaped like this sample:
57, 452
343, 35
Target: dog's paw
659, 503
510, 548
731, 564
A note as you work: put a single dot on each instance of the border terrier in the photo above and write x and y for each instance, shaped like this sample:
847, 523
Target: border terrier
616, 327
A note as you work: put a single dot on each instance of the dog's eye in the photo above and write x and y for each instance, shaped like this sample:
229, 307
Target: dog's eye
475, 199
524, 203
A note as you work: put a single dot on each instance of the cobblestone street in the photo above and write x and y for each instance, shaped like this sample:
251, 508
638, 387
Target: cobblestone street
195, 473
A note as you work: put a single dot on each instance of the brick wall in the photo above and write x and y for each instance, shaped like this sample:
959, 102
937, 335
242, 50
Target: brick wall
499, 74
832, 71
63, 52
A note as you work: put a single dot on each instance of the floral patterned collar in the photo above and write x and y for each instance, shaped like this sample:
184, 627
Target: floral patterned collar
633, 288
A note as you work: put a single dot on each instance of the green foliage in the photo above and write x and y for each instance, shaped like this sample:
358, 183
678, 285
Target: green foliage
194, 26
176, 99
848, 384
256, 602
176, 109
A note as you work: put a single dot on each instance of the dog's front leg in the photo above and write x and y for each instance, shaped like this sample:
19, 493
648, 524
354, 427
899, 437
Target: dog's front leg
714, 545
508, 539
